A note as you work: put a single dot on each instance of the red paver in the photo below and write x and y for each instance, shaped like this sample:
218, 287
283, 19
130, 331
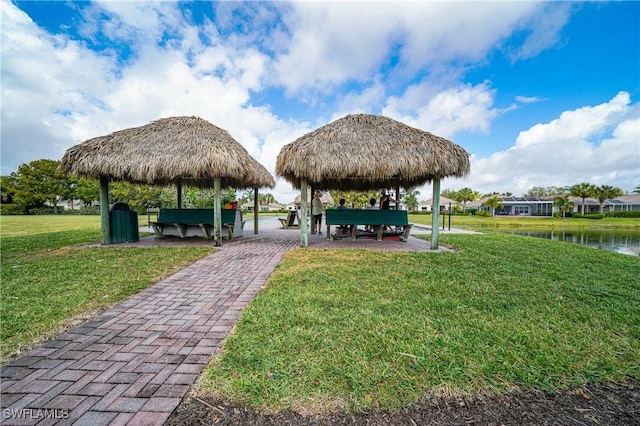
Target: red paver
134, 363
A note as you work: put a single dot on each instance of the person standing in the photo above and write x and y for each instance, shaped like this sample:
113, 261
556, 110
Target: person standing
385, 199
316, 213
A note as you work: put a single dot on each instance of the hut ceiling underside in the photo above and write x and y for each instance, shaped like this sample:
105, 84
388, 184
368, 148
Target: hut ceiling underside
360, 184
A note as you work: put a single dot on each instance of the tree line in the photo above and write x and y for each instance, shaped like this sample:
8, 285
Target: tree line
39, 186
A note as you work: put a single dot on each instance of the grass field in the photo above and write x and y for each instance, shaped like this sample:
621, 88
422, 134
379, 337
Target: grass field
487, 223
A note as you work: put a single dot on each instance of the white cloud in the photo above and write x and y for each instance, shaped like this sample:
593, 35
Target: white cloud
45, 81
528, 99
578, 124
596, 144
332, 45
464, 107
543, 29
56, 92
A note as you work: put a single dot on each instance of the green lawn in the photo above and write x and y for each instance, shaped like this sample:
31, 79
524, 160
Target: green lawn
486, 223
48, 281
357, 330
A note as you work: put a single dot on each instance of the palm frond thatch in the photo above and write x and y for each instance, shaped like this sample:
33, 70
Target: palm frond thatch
186, 149
360, 152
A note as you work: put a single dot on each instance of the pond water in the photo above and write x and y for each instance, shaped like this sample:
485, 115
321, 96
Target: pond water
620, 241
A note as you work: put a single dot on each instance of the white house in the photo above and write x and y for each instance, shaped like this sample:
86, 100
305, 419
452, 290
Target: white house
427, 205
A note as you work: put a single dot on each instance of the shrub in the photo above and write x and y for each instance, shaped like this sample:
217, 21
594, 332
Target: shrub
483, 214
632, 214
566, 214
589, 216
42, 211
12, 209
93, 210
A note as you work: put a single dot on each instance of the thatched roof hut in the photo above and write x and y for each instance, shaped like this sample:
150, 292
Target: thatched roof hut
364, 152
177, 150
166, 151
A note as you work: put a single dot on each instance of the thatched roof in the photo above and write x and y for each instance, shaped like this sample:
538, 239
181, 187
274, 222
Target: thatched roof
166, 150
361, 152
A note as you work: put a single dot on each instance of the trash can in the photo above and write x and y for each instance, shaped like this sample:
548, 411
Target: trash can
123, 223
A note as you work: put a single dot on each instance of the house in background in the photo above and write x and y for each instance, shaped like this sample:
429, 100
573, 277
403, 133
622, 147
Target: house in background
271, 207
619, 204
518, 206
544, 206
427, 205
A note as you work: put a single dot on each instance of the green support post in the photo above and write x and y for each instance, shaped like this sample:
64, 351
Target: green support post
435, 214
304, 212
104, 210
217, 211
255, 210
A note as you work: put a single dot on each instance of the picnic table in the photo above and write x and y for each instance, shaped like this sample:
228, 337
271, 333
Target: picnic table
377, 219
196, 222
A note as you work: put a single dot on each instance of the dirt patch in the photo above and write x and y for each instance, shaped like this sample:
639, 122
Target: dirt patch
602, 404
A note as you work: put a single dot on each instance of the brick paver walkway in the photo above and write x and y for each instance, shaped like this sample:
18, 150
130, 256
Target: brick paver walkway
134, 363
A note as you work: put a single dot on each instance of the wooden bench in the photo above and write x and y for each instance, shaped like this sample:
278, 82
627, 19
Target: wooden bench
185, 220
376, 218
290, 221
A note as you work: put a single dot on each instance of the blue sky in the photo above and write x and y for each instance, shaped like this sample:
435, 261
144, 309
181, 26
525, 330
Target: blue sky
540, 94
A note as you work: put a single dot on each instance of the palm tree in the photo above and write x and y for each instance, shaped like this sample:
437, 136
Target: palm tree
583, 190
495, 203
466, 194
246, 197
266, 198
636, 190
564, 204
449, 193
605, 192
411, 199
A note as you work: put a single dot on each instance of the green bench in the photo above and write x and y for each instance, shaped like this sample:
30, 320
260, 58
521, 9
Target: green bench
377, 219
185, 220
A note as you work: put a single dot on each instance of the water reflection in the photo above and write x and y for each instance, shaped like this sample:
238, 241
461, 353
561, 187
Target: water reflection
625, 242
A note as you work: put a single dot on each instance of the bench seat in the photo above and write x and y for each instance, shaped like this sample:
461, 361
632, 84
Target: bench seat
375, 218
186, 221
290, 221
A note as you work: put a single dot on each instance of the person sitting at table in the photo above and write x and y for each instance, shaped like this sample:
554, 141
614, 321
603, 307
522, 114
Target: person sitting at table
372, 206
342, 229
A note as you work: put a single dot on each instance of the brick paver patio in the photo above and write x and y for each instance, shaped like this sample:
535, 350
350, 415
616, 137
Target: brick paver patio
135, 362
